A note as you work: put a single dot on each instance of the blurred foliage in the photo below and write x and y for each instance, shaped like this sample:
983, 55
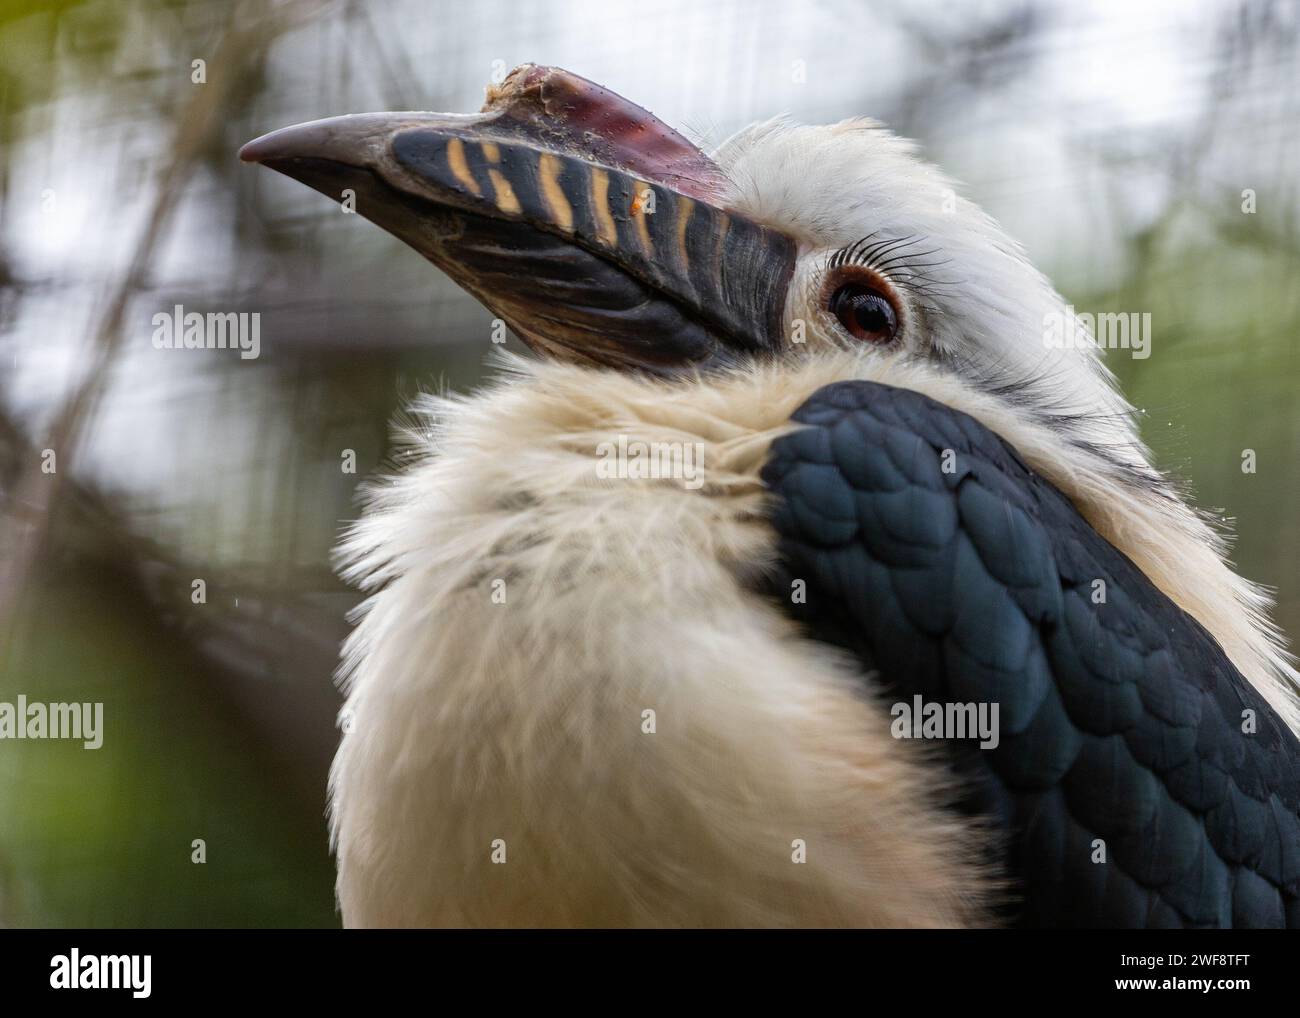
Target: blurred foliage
1115, 141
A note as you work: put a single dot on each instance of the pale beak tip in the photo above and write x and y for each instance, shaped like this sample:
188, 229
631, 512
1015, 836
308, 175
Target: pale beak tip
253, 151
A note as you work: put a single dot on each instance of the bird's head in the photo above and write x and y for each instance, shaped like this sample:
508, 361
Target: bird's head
601, 235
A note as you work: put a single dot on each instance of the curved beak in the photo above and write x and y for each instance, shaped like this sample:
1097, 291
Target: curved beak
595, 231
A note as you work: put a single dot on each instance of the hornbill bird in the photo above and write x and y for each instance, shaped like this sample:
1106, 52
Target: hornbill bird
646, 617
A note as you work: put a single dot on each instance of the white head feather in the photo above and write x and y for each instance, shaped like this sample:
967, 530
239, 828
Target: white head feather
972, 300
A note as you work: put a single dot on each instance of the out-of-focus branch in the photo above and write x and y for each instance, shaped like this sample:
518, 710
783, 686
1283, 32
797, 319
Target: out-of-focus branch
268, 660
252, 27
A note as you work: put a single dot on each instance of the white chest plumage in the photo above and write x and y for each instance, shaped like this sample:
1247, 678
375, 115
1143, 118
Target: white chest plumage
565, 707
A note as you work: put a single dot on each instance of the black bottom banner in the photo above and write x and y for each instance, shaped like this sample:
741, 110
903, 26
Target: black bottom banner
143, 968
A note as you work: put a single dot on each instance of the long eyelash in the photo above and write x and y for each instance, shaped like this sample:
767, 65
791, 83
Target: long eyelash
892, 258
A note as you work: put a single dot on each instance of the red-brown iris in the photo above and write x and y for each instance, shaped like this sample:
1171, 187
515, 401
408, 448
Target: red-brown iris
865, 309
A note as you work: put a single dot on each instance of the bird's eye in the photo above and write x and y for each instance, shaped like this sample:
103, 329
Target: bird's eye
865, 312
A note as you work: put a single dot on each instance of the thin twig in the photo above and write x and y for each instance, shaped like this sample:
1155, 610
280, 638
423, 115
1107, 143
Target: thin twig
250, 30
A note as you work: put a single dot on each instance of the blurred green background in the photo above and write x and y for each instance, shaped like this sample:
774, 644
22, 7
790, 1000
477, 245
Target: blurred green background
1114, 139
